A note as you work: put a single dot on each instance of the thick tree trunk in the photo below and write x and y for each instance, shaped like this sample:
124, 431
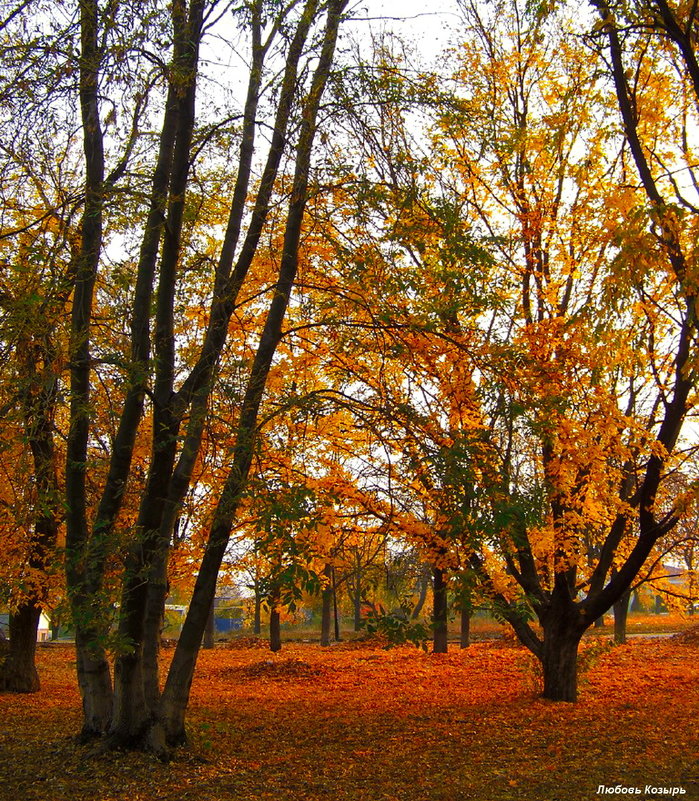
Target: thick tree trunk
18, 671
275, 631
131, 716
152, 633
439, 612
95, 682
210, 630
621, 613
559, 659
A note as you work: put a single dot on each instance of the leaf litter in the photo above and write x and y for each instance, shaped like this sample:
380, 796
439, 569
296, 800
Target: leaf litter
366, 724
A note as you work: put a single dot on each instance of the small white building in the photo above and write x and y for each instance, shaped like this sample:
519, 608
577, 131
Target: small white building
43, 632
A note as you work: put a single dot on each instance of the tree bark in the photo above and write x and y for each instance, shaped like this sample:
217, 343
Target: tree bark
621, 613
423, 584
275, 631
439, 612
559, 656
327, 609
357, 605
465, 634
18, 672
210, 630
336, 615
257, 619
95, 682
153, 631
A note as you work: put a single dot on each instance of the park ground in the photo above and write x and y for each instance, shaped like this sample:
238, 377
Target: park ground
354, 722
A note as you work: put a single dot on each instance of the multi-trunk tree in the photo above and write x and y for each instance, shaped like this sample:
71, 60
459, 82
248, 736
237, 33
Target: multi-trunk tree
184, 290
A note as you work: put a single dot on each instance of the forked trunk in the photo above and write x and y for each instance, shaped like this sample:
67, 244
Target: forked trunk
18, 670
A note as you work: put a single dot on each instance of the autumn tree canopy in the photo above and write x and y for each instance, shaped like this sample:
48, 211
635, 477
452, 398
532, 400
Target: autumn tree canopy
325, 300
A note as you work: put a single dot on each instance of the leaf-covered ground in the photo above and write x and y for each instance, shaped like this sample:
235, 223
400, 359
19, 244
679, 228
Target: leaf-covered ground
361, 724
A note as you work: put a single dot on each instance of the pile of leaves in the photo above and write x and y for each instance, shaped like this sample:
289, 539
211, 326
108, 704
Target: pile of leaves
246, 643
689, 637
284, 669
378, 725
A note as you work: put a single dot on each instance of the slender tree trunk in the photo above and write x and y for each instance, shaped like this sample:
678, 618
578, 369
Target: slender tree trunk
465, 634
336, 615
439, 612
423, 585
170, 726
621, 613
257, 620
326, 613
357, 606
18, 671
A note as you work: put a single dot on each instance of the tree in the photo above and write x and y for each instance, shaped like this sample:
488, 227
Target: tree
539, 331
654, 403
40, 192
160, 384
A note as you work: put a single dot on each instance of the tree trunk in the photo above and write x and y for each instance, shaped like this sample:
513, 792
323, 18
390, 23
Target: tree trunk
18, 671
169, 728
357, 598
95, 682
423, 584
621, 613
275, 631
257, 620
131, 715
465, 634
559, 660
336, 615
439, 611
210, 630
153, 631
327, 610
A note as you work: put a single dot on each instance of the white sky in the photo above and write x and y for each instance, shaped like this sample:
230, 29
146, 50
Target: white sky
429, 25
